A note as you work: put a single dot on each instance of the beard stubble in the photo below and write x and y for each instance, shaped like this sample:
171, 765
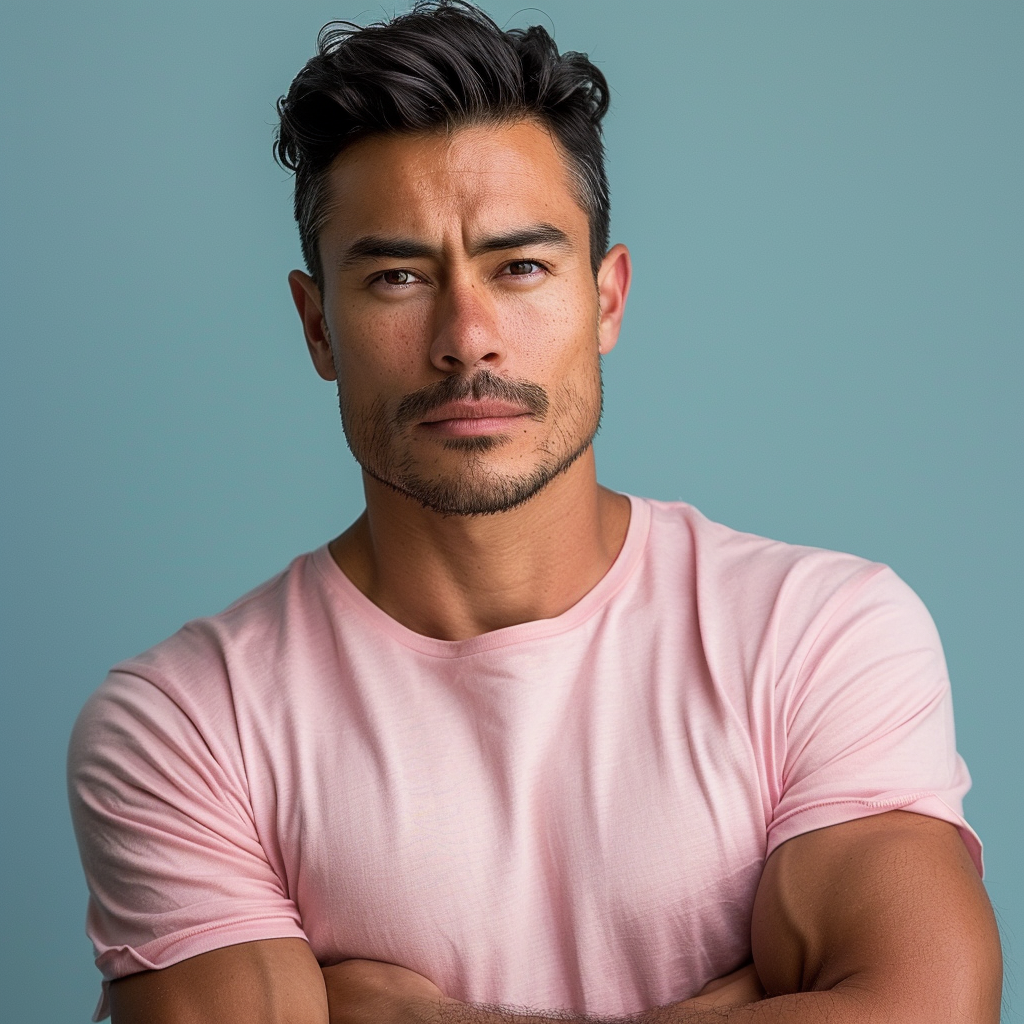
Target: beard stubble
379, 443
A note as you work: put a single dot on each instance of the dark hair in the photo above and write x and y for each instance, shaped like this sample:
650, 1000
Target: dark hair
443, 65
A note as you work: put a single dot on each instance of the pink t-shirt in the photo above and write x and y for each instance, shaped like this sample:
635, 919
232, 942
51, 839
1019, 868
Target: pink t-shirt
568, 813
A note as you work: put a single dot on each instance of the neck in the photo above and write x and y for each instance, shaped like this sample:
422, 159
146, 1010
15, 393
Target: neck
455, 577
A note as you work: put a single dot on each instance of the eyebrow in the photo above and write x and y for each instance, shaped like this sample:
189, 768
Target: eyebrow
520, 238
380, 247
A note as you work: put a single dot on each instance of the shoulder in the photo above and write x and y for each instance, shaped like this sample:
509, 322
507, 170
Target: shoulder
836, 665
183, 690
768, 601
246, 631
746, 570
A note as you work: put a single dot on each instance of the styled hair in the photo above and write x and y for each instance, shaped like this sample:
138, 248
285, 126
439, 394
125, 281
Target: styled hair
443, 65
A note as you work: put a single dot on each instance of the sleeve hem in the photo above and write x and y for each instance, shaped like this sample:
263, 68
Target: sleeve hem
834, 812
120, 961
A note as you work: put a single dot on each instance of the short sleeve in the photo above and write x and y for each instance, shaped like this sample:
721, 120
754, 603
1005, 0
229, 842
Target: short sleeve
868, 718
171, 854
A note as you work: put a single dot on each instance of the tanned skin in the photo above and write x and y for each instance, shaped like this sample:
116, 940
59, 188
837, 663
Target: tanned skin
449, 255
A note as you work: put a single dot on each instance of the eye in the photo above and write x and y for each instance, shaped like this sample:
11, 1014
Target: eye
396, 278
524, 268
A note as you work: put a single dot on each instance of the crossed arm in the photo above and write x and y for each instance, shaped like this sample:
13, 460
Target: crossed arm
882, 920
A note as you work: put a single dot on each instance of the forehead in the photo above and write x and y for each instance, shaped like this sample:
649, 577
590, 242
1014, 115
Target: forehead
479, 176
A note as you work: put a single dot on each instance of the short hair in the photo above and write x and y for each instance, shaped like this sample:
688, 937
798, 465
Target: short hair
443, 65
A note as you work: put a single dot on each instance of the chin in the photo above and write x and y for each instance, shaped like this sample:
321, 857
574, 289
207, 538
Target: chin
472, 492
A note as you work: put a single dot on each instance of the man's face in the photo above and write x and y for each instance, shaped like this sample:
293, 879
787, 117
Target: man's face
462, 314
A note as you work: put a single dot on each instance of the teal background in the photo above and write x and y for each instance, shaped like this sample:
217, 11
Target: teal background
823, 200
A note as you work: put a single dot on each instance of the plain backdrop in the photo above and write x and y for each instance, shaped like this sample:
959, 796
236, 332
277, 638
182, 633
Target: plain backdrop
823, 345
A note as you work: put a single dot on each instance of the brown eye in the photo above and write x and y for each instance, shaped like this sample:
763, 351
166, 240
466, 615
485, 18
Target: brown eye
523, 267
396, 277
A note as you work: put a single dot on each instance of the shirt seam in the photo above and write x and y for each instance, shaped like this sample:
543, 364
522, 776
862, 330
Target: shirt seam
410, 643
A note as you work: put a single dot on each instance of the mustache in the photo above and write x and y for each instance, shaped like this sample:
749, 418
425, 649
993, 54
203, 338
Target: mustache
484, 384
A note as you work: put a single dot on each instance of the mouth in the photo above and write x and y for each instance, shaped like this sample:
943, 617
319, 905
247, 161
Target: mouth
475, 418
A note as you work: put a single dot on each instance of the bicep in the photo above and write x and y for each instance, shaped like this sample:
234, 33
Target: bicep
271, 981
888, 909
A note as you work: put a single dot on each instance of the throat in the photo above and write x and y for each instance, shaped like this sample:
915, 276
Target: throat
454, 578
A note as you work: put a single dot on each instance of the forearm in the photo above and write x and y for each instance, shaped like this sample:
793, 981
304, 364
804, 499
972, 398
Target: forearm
370, 992
829, 1007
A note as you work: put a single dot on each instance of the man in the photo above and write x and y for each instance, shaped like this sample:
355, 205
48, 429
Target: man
515, 745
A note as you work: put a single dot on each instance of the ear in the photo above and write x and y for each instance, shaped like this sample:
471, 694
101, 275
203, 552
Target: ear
309, 303
613, 278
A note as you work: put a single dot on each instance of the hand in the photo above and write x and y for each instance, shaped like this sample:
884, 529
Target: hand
371, 992
736, 989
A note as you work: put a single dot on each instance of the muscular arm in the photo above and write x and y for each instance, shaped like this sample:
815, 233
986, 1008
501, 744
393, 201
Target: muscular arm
886, 917
273, 981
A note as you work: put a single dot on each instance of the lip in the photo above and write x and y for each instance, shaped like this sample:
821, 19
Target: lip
486, 409
474, 419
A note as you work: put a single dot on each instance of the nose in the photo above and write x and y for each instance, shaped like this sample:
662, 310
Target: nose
466, 329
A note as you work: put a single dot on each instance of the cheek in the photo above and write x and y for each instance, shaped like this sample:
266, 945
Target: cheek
377, 349
555, 336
